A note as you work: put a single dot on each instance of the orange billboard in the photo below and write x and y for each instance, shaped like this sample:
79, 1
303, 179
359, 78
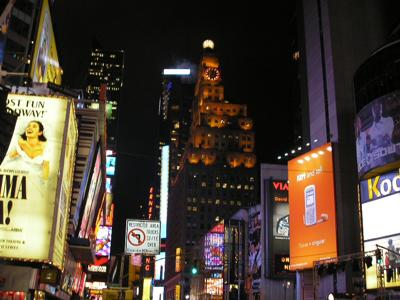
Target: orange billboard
312, 208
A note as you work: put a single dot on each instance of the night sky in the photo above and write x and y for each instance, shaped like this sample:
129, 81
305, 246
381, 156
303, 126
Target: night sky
254, 45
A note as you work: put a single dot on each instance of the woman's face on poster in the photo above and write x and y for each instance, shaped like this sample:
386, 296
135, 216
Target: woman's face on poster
33, 130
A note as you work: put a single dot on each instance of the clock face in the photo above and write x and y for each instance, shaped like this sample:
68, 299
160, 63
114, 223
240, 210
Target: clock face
211, 74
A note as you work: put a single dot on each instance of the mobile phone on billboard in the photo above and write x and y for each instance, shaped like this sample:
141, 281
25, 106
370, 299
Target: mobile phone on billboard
310, 205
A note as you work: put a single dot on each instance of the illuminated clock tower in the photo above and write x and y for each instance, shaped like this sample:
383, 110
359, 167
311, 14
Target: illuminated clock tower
217, 174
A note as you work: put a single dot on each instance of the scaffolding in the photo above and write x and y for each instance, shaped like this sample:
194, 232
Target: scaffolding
332, 265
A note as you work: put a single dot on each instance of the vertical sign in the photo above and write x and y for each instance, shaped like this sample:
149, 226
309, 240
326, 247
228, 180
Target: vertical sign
312, 207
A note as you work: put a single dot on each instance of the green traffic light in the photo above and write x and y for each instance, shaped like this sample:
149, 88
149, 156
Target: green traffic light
194, 271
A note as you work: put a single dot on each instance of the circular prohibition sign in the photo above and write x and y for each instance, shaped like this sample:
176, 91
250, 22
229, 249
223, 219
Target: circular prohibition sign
136, 237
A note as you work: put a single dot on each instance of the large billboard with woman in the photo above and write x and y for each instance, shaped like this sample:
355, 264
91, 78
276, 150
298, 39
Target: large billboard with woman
33, 202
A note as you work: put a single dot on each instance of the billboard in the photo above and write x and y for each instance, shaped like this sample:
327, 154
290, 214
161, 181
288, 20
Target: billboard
110, 165
255, 248
214, 251
312, 205
103, 241
45, 66
278, 230
164, 190
380, 204
33, 203
91, 196
378, 134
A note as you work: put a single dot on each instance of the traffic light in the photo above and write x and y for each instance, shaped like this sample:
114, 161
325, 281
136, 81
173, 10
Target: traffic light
194, 270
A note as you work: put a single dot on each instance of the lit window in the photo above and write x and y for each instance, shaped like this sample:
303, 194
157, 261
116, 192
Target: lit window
232, 203
194, 208
224, 186
239, 203
217, 184
203, 184
189, 208
246, 187
217, 201
239, 186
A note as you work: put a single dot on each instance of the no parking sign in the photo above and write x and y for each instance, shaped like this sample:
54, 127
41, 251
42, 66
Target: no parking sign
142, 237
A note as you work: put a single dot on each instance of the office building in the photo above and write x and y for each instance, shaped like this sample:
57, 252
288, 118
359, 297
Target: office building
107, 67
217, 173
334, 40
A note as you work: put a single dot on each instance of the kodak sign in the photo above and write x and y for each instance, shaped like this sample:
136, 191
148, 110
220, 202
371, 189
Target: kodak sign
380, 186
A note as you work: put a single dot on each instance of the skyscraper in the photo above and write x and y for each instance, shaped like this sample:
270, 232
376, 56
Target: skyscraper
334, 40
216, 174
107, 67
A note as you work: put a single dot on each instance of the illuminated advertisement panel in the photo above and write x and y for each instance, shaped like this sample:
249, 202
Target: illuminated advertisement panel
91, 196
277, 227
255, 249
164, 190
29, 189
214, 286
45, 66
103, 241
108, 185
147, 288
158, 292
159, 268
378, 134
110, 165
214, 251
312, 205
380, 203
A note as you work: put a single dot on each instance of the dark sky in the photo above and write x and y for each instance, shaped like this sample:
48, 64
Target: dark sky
254, 45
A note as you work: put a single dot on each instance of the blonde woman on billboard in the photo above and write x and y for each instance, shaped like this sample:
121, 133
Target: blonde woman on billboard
31, 147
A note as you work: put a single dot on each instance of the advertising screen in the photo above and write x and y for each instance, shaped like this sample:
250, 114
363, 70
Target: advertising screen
214, 286
103, 241
214, 251
159, 268
255, 249
92, 195
378, 134
312, 206
278, 226
31, 198
380, 203
45, 66
110, 165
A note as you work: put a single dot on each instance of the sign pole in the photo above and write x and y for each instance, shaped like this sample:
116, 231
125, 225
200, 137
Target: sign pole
121, 277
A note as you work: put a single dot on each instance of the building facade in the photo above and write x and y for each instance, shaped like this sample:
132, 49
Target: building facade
107, 67
331, 49
217, 173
